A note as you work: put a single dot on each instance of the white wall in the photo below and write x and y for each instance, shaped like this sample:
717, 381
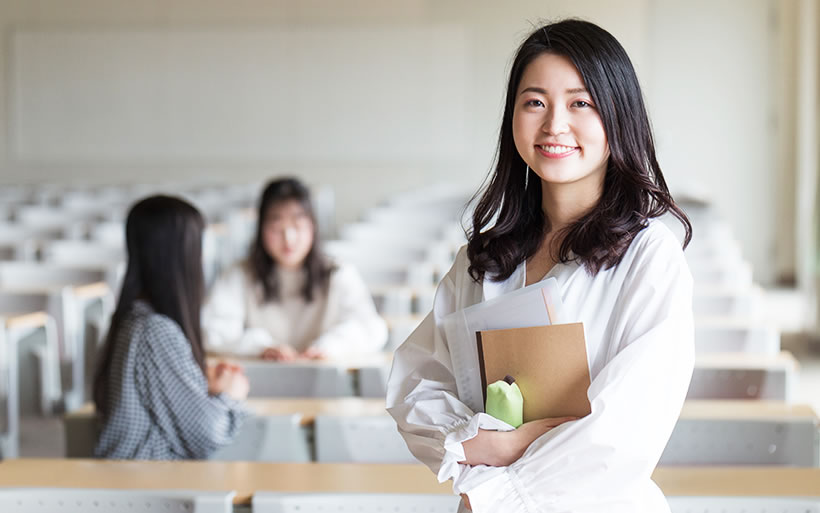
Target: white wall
370, 96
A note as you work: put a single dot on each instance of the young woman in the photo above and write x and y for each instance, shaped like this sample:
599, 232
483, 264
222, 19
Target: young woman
288, 300
156, 398
575, 195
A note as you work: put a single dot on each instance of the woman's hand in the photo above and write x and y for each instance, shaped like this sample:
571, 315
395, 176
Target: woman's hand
314, 353
227, 378
503, 448
281, 353
238, 387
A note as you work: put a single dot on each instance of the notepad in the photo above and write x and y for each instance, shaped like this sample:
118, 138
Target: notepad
549, 364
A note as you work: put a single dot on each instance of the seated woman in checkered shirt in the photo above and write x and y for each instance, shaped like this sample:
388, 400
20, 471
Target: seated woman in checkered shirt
153, 391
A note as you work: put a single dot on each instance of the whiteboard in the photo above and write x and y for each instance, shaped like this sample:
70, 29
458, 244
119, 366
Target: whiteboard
366, 93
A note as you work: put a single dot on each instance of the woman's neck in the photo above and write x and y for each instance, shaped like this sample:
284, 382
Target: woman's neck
563, 204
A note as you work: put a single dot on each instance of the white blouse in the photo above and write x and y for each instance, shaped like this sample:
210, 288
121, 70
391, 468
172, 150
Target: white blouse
639, 334
235, 319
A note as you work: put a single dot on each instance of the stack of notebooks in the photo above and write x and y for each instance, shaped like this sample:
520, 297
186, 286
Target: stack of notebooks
520, 334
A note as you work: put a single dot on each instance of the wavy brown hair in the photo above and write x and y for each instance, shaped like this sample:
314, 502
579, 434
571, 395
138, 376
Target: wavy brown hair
261, 265
508, 224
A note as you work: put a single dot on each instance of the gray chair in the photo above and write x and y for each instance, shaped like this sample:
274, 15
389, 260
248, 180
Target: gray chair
269, 502
81, 429
373, 381
271, 379
744, 504
742, 383
341, 439
278, 438
714, 336
743, 442
74, 500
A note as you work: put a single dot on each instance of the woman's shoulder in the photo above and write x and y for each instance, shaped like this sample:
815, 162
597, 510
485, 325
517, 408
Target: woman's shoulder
655, 253
148, 325
656, 238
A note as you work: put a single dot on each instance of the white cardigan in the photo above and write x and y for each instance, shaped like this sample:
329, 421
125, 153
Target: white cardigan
640, 344
236, 320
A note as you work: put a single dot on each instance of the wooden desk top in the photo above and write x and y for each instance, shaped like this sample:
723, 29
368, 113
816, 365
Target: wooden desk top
243, 477
28, 320
746, 410
246, 478
91, 290
738, 481
309, 408
748, 361
351, 362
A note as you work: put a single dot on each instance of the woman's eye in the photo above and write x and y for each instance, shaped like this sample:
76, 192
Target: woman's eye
534, 103
581, 103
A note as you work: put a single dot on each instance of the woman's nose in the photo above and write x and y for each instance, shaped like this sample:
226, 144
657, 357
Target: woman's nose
555, 121
291, 234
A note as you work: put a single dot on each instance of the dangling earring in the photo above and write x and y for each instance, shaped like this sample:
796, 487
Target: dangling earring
527, 177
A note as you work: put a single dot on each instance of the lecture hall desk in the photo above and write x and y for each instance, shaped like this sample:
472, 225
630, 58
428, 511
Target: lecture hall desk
246, 478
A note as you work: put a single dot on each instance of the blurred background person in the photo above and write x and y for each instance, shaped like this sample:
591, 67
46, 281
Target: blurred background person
155, 396
288, 300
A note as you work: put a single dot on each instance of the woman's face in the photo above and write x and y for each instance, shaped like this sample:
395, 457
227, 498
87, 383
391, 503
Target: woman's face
287, 234
556, 128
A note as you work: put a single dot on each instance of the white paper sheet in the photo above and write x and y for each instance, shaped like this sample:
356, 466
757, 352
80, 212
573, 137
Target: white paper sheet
536, 305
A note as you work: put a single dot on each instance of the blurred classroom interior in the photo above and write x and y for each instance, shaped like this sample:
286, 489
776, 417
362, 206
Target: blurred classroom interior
389, 111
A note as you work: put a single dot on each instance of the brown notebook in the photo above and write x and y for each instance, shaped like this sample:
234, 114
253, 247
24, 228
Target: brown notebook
549, 363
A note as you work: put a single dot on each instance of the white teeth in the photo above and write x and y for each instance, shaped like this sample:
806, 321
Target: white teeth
557, 149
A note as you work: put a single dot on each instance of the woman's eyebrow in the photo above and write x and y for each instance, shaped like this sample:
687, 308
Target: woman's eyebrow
575, 90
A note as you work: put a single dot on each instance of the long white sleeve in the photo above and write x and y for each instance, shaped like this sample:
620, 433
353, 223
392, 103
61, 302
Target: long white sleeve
354, 326
604, 459
641, 359
422, 396
224, 318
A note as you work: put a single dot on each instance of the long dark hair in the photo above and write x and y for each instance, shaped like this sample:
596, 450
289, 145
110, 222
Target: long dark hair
164, 239
261, 265
508, 223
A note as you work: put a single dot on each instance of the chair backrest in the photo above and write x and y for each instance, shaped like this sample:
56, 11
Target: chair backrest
77, 500
269, 379
352, 439
744, 504
738, 274
743, 442
22, 303
745, 302
79, 253
270, 502
110, 233
274, 438
399, 328
81, 433
72, 223
34, 275
741, 383
373, 381
720, 337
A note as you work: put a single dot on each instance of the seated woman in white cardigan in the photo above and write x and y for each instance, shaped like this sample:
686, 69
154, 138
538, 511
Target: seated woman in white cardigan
288, 300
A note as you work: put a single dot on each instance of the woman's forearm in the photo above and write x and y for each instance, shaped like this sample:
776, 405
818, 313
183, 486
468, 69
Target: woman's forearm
503, 448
